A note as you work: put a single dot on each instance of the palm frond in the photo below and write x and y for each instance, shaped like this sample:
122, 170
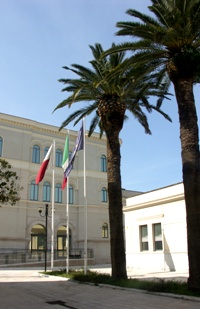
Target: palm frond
143, 17
93, 124
78, 115
153, 107
97, 50
70, 119
83, 72
164, 11
140, 116
114, 76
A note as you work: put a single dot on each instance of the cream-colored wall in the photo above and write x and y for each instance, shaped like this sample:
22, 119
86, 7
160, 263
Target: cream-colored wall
165, 206
19, 135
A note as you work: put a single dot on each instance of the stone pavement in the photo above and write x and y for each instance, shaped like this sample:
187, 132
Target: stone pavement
29, 289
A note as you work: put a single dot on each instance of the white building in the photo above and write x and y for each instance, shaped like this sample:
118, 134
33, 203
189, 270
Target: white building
155, 228
24, 143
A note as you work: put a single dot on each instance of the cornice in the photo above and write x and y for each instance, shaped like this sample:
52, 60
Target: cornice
31, 124
42, 127
156, 202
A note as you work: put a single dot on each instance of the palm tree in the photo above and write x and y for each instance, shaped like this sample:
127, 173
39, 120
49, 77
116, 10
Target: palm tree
110, 98
167, 43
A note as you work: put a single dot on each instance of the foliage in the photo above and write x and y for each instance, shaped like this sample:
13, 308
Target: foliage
9, 189
152, 285
97, 85
167, 42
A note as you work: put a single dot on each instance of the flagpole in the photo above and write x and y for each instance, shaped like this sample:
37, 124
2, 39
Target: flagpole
52, 216
67, 169
85, 201
67, 221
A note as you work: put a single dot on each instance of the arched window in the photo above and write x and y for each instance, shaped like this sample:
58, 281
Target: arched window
38, 236
33, 191
104, 195
45, 151
36, 154
46, 192
1, 146
103, 163
58, 193
59, 156
71, 194
104, 230
61, 241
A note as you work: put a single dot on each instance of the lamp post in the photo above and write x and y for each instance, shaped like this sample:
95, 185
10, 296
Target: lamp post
46, 221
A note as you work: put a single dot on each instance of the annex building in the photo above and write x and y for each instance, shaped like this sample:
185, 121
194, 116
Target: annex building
156, 231
24, 143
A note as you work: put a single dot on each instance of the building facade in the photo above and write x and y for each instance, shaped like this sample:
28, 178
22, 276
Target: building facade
156, 233
24, 143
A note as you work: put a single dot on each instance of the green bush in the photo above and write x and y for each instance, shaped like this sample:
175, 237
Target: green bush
155, 285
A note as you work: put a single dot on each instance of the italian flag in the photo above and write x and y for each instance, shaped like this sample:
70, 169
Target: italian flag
44, 166
65, 160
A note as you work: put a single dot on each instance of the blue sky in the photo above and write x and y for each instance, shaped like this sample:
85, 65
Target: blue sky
39, 37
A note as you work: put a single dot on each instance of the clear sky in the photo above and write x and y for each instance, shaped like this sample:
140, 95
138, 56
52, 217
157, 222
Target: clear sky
39, 37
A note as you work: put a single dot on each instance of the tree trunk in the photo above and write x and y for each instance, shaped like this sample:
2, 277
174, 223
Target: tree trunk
118, 258
191, 174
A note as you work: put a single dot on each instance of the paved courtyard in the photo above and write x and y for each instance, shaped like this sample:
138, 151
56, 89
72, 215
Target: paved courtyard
20, 289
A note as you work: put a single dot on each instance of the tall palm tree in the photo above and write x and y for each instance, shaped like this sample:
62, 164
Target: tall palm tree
110, 98
167, 43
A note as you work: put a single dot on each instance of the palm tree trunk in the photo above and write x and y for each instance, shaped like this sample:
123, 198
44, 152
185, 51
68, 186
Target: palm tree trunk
118, 258
191, 174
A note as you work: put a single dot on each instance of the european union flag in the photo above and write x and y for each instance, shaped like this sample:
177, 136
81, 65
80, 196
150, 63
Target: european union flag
78, 146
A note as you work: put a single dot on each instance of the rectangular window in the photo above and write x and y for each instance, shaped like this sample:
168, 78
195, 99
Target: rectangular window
157, 237
71, 195
36, 154
33, 191
59, 156
104, 195
46, 192
103, 164
144, 245
58, 197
